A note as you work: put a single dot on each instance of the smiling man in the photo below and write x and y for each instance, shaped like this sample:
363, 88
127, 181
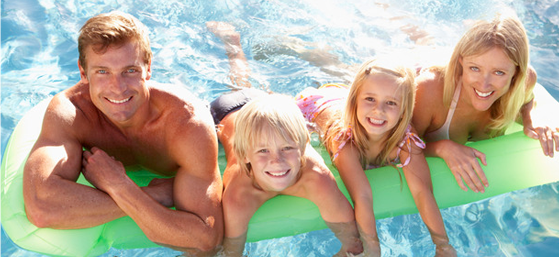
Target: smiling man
123, 119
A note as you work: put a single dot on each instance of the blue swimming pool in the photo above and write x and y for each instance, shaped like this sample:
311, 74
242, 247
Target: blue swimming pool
39, 59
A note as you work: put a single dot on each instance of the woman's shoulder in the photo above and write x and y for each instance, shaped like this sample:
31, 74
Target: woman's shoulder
429, 106
430, 79
430, 87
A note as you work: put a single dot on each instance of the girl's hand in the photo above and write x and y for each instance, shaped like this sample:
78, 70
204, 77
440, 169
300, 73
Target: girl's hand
547, 135
463, 163
371, 245
445, 250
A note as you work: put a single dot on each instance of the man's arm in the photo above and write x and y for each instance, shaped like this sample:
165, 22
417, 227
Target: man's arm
51, 195
197, 222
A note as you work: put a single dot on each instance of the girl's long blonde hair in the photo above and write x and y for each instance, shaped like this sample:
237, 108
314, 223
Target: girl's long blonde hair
508, 34
338, 131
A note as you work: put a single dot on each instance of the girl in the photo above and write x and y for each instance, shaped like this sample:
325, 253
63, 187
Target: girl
368, 125
268, 153
374, 131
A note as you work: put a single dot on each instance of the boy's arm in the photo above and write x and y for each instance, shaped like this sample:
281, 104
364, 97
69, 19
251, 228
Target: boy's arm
321, 188
240, 201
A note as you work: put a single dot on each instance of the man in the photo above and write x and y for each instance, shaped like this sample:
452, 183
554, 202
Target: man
122, 120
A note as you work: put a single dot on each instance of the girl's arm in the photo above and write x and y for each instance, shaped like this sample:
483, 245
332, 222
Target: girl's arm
357, 184
419, 181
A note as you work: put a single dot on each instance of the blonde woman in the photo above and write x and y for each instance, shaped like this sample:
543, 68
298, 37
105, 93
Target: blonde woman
486, 86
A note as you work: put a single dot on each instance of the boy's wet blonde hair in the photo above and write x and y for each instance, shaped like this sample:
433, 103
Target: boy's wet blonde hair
507, 33
113, 29
274, 113
405, 78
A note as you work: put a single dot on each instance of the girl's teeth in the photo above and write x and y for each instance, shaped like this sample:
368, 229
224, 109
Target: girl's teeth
377, 122
483, 94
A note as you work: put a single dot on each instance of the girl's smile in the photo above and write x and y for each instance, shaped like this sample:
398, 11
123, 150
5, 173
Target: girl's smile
378, 105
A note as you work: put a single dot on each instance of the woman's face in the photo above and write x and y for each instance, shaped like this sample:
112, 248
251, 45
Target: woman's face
486, 77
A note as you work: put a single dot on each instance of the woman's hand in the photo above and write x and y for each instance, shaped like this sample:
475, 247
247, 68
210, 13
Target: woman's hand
462, 161
548, 137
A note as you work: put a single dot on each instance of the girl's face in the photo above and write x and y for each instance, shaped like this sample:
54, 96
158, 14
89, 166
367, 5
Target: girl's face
378, 105
486, 77
275, 162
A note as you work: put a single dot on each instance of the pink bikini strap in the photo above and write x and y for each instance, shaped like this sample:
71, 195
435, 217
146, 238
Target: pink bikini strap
347, 133
408, 139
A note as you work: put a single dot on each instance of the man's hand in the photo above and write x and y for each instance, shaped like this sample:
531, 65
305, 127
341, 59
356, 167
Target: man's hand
102, 170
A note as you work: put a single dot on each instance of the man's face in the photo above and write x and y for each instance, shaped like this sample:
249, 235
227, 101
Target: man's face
117, 80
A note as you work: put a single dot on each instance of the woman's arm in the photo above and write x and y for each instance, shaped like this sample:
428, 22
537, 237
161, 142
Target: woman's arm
429, 115
535, 117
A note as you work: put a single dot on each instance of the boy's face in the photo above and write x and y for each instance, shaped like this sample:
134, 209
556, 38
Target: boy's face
275, 162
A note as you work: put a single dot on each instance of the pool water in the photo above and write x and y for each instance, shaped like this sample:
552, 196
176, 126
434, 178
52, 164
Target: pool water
39, 59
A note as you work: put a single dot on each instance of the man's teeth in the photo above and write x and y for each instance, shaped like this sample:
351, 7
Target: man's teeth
374, 121
119, 101
483, 94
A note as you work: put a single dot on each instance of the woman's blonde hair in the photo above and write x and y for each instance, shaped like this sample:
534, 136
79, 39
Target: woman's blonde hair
113, 29
506, 33
275, 113
404, 77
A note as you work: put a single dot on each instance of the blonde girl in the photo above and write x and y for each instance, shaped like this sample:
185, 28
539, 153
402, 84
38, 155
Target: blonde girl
368, 125
374, 131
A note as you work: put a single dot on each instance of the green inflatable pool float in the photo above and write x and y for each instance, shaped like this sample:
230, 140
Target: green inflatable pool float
514, 162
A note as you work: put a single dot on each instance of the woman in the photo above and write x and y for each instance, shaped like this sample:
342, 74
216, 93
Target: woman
486, 86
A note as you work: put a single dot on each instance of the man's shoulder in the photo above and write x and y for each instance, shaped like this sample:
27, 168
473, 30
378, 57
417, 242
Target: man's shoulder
70, 102
180, 104
171, 92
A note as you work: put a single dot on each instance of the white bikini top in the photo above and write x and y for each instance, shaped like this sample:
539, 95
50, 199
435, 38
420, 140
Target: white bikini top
443, 132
